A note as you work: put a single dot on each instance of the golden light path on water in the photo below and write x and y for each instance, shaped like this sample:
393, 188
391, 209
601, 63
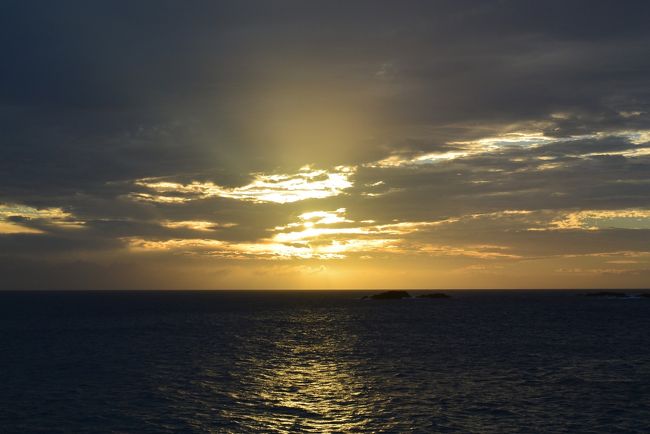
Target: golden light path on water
306, 380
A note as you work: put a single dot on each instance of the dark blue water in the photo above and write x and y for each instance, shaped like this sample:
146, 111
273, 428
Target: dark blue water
149, 362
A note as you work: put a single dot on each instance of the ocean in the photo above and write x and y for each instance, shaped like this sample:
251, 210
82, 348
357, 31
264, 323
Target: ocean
322, 361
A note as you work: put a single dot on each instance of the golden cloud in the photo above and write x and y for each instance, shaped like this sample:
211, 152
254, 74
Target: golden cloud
14, 218
307, 183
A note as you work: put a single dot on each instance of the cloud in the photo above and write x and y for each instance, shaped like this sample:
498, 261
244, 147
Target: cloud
15, 218
252, 135
196, 225
599, 219
308, 183
317, 234
529, 144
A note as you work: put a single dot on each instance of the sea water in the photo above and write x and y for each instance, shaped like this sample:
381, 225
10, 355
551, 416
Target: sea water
255, 361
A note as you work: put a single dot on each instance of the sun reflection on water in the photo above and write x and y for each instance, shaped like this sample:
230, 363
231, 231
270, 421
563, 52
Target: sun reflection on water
309, 383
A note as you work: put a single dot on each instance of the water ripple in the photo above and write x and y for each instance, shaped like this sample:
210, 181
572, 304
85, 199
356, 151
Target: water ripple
324, 363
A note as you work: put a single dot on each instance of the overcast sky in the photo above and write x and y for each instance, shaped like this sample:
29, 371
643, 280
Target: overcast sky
331, 144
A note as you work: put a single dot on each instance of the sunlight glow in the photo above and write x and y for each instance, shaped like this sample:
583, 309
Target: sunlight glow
196, 225
320, 236
307, 183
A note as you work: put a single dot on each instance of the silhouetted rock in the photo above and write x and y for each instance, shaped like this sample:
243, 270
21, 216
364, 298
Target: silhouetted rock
645, 295
390, 295
434, 295
606, 294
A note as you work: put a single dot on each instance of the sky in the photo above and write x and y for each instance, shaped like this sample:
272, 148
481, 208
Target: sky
324, 144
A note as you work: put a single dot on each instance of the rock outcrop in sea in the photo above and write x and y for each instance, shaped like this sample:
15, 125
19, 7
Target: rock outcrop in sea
398, 295
390, 295
606, 294
613, 294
